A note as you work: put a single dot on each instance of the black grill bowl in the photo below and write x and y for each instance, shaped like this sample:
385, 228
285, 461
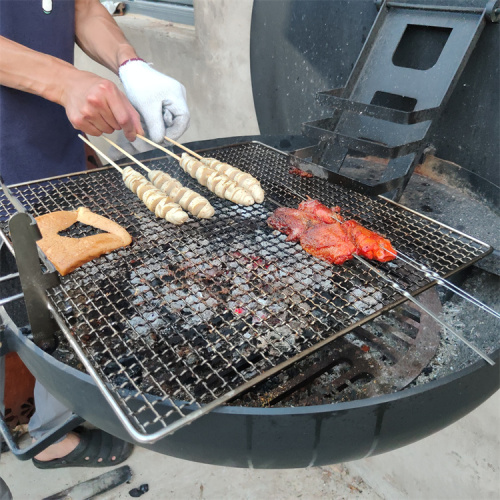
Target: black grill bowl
284, 437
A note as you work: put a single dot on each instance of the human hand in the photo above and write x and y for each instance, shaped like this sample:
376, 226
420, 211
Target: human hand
160, 100
95, 106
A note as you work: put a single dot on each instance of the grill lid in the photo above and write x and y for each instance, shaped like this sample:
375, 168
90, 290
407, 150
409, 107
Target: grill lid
195, 315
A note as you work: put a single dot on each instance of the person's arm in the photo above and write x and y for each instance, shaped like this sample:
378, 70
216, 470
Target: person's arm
160, 100
98, 35
93, 104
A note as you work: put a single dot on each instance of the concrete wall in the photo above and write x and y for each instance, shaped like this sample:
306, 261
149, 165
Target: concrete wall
213, 64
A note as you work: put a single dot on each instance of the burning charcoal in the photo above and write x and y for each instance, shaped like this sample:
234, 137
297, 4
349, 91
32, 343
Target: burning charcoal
259, 317
137, 321
151, 316
191, 359
362, 307
370, 301
143, 330
178, 306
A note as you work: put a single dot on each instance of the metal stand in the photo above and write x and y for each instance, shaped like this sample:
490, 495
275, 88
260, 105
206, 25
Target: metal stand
407, 70
24, 233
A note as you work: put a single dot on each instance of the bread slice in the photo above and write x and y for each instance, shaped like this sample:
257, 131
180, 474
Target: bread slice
67, 253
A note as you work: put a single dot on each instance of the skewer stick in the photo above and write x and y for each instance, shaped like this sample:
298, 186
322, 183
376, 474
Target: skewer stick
429, 273
190, 151
99, 152
173, 155
128, 155
410, 297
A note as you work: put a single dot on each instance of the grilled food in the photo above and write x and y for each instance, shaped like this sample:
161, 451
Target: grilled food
321, 212
188, 199
322, 232
292, 222
369, 244
328, 242
156, 200
300, 173
219, 184
67, 253
244, 180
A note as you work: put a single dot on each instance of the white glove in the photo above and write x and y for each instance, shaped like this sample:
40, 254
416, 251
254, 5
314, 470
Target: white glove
159, 99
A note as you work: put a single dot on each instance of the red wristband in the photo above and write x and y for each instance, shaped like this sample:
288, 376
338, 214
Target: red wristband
130, 60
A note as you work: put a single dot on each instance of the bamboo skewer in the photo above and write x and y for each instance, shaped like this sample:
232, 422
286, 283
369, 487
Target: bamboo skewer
246, 181
156, 201
186, 149
98, 151
187, 198
127, 154
218, 183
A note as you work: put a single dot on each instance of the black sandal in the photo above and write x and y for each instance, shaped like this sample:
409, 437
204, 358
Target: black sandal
95, 449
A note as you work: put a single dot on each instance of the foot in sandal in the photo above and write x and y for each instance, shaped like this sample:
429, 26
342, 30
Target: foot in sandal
84, 448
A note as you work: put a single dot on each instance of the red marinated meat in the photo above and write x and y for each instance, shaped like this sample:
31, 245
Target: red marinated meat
369, 244
320, 211
328, 242
323, 233
291, 222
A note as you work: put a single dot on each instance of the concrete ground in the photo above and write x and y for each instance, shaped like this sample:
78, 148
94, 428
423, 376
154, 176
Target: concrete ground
460, 462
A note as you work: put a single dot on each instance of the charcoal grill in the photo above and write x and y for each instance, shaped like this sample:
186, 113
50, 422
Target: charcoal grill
182, 323
183, 320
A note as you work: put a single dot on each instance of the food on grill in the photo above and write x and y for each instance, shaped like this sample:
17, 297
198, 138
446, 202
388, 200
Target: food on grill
323, 233
300, 173
321, 212
292, 222
328, 242
67, 253
155, 199
187, 198
244, 180
369, 244
219, 184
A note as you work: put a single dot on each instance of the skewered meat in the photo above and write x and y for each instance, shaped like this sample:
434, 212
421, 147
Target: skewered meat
292, 222
244, 180
155, 199
218, 183
321, 212
369, 244
328, 242
323, 233
69, 253
185, 197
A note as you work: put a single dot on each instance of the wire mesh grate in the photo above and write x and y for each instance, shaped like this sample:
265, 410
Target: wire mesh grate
188, 315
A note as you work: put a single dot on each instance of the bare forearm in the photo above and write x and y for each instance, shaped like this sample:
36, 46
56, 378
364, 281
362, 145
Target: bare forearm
98, 35
93, 104
31, 71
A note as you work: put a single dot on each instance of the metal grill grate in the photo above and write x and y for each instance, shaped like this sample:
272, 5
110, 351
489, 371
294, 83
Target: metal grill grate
188, 317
